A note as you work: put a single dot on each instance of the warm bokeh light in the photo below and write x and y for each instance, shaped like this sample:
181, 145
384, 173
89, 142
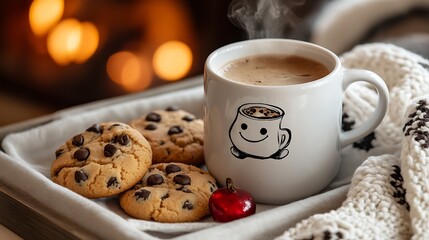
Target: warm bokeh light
172, 60
72, 41
44, 14
129, 71
88, 42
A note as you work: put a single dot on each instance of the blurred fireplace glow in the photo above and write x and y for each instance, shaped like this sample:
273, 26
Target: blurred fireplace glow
44, 14
172, 60
127, 46
72, 41
129, 71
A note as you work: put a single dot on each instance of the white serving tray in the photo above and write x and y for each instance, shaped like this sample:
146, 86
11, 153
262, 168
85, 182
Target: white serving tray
35, 207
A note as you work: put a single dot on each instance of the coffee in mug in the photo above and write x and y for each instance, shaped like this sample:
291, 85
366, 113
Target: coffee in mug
274, 70
280, 140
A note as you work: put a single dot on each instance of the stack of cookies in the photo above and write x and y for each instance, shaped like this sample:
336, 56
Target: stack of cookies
151, 163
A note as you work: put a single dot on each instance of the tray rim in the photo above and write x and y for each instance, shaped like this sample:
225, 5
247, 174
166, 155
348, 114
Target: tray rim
44, 119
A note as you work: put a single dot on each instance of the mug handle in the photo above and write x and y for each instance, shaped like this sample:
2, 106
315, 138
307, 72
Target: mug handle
286, 133
355, 75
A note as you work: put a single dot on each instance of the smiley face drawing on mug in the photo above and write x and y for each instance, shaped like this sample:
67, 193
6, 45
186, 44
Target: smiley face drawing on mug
256, 132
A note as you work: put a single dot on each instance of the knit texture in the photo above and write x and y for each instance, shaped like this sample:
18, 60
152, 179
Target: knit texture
415, 163
389, 192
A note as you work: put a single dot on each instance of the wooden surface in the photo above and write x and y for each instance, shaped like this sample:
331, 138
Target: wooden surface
29, 219
5, 233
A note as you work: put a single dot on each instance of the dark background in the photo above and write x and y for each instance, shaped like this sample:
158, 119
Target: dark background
31, 83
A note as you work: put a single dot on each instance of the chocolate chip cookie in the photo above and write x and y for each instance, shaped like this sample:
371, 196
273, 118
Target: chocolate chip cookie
105, 160
170, 192
174, 135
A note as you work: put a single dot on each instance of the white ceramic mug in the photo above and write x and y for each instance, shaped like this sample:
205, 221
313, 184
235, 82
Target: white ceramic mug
298, 153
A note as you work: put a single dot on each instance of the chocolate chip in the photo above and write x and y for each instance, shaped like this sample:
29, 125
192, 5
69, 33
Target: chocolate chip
123, 139
172, 168
113, 182
165, 196
81, 154
80, 176
188, 118
59, 152
187, 205
142, 194
114, 125
95, 128
109, 150
153, 117
172, 108
182, 179
175, 130
150, 127
183, 189
154, 179
213, 186
78, 140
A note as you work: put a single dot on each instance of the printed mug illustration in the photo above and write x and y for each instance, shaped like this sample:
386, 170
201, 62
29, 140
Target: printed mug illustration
256, 132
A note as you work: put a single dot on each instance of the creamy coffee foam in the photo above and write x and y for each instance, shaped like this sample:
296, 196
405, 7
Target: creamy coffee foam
274, 70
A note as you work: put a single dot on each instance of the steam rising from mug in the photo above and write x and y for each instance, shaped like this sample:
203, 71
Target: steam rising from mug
264, 18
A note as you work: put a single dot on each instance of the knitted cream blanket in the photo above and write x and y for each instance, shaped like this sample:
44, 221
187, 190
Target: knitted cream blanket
389, 193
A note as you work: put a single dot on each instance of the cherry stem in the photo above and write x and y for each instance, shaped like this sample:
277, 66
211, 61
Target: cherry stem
230, 185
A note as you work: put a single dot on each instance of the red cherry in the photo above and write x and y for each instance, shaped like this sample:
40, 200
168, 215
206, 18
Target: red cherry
228, 203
